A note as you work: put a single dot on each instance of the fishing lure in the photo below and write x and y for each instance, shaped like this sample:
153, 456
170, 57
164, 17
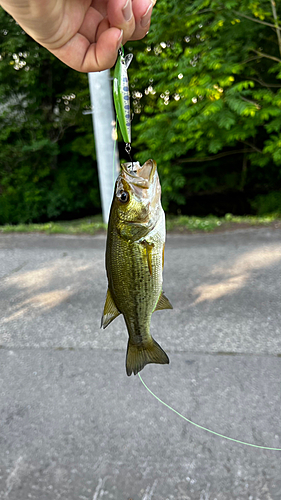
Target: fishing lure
122, 96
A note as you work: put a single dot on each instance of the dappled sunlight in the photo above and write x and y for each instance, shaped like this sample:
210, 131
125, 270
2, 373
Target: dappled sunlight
212, 292
41, 278
38, 278
250, 261
231, 277
42, 302
40, 290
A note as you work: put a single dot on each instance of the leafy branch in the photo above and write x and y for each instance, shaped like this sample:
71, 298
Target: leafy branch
239, 14
253, 147
216, 157
273, 6
267, 56
262, 83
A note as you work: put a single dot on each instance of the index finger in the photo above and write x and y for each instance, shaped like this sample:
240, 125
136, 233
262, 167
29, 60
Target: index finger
81, 55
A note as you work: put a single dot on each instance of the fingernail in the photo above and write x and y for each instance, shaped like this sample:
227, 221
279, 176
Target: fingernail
127, 11
146, 17
119, 41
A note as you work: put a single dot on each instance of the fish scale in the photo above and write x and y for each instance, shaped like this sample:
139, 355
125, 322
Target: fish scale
141, 290
134, 261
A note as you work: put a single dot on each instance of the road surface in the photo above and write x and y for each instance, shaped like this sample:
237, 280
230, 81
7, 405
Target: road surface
75, 427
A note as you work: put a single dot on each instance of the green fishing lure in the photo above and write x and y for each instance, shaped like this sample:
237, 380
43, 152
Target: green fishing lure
122, 96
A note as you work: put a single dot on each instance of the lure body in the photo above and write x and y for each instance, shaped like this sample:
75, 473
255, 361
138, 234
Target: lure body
122, 96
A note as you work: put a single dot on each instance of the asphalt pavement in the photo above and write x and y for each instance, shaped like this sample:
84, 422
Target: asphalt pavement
73, 426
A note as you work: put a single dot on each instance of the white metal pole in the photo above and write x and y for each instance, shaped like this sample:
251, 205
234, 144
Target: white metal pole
104, 131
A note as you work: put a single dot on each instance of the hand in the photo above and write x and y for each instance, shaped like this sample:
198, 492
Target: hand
84, 34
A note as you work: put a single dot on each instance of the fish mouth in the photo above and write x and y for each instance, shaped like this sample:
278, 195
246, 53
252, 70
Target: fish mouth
140, 176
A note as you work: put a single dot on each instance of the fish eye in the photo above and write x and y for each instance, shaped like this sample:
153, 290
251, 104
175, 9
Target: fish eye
123, 196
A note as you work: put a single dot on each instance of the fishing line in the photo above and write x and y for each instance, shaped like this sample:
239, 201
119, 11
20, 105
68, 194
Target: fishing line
205, 428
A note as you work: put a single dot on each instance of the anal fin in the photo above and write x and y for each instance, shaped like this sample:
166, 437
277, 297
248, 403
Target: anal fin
163, 303
110, 311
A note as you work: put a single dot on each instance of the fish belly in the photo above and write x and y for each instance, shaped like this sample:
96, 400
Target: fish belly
134, 270
134, 285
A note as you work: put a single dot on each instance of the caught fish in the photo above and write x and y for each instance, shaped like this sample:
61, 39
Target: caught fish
121, 95
135, 260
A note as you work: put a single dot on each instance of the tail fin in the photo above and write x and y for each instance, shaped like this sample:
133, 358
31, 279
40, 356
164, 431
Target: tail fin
139, 355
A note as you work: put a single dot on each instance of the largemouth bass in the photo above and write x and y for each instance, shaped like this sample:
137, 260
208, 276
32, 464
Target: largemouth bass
135, 260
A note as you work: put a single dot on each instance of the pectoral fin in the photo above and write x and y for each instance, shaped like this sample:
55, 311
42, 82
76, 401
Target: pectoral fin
163, 303
148, 250
110, 311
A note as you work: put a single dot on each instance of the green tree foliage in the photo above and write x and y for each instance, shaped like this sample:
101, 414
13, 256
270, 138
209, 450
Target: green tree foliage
206, 92
47, 166
207, 95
